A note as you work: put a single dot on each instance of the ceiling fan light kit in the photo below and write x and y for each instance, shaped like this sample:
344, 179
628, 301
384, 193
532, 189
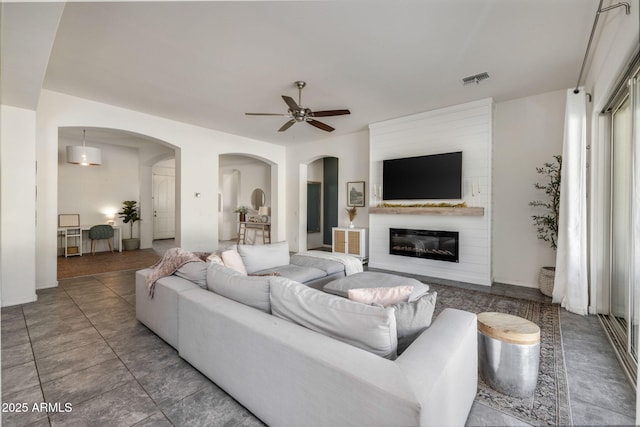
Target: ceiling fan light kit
297, 113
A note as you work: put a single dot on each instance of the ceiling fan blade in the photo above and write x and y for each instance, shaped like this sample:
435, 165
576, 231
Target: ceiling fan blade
290, 102
287, 125
328, 113
320, 125
267, 114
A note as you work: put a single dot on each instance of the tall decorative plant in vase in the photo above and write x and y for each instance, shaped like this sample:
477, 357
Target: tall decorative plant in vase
129, 215
352, 211
547, 223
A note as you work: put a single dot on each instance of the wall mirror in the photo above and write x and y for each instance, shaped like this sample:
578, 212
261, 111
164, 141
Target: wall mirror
257, 198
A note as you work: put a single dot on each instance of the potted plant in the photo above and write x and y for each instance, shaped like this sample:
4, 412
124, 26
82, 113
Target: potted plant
547, 224
242, 210
352, 211
129, 214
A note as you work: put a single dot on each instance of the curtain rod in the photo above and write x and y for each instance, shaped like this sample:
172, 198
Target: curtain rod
627, 7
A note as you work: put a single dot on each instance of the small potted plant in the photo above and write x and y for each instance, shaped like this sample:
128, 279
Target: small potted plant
242, 210
547, 224
129, 215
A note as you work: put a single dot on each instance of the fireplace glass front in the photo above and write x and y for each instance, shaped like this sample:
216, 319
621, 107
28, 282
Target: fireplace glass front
430, 244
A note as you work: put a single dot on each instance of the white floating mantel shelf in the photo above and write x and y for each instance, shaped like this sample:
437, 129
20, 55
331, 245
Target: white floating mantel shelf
477, 211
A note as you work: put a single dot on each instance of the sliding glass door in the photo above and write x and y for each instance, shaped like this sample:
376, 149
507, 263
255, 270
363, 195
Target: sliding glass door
624, 310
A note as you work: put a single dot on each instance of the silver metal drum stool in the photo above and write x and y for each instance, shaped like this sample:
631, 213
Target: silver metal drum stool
508, 353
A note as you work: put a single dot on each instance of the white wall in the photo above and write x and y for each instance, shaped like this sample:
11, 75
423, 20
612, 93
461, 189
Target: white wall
18, 203
527, 132
94, 191
465, 128
197, 153
352, 152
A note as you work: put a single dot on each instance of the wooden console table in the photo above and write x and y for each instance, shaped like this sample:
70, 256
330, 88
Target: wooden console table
264, 226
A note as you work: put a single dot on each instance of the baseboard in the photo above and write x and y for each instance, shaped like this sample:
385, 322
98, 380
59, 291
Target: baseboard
47, 285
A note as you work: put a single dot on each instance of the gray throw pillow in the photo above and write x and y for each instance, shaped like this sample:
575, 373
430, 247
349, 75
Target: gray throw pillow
364, 326
262, 257
412, 318
194, 271
248, 290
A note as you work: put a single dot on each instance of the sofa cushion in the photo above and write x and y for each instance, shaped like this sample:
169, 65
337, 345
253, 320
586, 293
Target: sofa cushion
369, 279
412, 318
295, 272
261, 257
330, 267
381, 296
233, 260
365, 326
195, 272
250, 290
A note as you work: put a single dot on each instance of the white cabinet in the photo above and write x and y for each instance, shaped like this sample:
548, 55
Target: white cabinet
352, 241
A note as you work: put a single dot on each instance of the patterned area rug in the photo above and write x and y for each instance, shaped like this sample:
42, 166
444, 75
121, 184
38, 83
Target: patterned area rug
550, 403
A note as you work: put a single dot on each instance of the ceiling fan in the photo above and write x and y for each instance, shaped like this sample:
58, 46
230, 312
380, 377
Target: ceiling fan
298, 113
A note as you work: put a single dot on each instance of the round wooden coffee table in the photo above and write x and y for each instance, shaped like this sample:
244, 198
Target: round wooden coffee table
508, 353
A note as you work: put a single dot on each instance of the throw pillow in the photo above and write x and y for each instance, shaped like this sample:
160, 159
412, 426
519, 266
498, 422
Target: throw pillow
233, 260
370, 279
195, 271
263, 257
364, 326
381, 296
412, 318
215, 258
251, 291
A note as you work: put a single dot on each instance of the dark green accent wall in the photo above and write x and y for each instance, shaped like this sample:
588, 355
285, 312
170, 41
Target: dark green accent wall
313, 207
330, 195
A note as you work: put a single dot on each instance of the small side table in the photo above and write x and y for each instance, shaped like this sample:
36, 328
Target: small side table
508, 353
264, 226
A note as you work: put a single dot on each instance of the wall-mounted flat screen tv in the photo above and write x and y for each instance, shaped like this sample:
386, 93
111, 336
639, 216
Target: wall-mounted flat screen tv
437, 176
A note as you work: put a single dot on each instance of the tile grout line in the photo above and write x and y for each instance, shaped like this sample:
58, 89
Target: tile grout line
35, 363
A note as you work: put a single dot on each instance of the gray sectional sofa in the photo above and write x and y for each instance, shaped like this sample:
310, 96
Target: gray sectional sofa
294, 355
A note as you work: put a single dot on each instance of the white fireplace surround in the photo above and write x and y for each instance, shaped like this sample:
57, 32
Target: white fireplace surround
466, 128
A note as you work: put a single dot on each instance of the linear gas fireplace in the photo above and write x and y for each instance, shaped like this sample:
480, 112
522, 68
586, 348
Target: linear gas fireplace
438, 245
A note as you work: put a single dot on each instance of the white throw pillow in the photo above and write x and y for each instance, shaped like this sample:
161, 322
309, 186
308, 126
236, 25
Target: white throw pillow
233, 260
381, 296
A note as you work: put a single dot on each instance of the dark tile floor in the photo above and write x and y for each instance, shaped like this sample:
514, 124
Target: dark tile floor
81, 344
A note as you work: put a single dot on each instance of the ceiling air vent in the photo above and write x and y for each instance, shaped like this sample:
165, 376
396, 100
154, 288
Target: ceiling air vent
476, 78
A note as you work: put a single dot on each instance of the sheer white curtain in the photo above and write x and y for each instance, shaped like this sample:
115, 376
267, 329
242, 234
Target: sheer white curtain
571, 285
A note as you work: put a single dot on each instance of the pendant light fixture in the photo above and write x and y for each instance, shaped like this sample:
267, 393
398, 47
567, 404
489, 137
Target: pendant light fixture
83, 155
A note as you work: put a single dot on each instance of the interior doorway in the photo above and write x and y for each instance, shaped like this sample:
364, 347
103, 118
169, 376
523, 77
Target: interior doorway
322, 202
164, 206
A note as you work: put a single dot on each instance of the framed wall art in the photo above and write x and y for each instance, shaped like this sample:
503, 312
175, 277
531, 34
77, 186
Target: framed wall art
355, 193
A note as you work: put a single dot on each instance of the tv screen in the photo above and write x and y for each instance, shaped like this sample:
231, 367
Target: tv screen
436, 176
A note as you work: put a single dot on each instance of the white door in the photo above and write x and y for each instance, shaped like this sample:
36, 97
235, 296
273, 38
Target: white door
228, 219
164, 214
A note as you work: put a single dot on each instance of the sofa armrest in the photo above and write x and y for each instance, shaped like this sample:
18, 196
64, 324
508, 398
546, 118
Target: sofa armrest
441, 366
160, 313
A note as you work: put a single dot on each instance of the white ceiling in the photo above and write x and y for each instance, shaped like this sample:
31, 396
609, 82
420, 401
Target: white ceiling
207, 63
